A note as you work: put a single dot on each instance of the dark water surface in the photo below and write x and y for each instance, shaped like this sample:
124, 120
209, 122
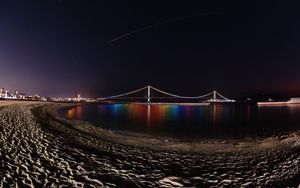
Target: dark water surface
207, 121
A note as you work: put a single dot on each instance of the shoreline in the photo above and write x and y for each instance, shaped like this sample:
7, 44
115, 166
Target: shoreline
38, 150
165, 143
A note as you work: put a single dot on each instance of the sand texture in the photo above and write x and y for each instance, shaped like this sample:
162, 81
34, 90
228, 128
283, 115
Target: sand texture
40, 150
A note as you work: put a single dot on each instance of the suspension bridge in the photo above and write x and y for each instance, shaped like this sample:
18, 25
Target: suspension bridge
151, 94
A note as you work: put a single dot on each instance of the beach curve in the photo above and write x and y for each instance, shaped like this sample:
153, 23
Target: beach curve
40, 148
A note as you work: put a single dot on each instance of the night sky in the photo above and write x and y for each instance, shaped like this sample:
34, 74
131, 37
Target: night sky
60, 48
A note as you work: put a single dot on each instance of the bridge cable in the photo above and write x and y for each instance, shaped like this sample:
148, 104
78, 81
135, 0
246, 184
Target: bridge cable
128, 93
178, 96
222, 96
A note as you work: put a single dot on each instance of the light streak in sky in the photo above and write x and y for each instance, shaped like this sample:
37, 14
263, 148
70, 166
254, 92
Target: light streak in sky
158, 24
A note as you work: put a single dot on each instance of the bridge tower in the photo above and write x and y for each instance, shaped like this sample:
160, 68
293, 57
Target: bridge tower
214, 96
148, 94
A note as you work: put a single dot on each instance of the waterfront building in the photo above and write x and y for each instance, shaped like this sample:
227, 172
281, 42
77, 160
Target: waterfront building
15, 94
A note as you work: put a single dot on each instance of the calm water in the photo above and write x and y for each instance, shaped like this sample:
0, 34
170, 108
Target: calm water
218, 120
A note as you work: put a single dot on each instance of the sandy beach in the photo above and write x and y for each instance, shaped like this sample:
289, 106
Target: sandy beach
38, 148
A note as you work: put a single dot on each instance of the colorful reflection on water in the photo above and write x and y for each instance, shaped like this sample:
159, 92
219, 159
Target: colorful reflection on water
217, 120
75, 112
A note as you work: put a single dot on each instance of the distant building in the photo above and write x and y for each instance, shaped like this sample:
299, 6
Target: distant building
2, 93
6, 94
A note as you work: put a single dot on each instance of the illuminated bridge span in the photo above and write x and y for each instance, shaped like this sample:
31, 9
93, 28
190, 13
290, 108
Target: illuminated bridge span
151, 92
